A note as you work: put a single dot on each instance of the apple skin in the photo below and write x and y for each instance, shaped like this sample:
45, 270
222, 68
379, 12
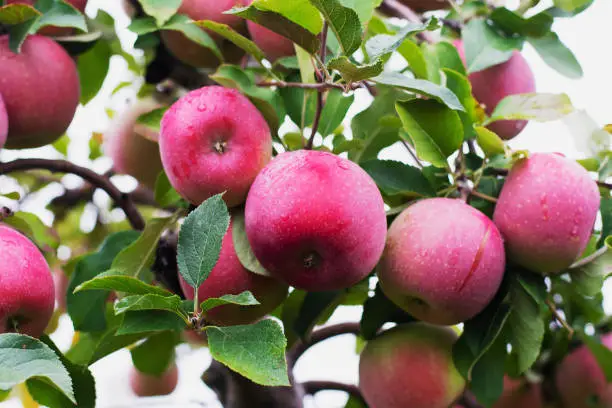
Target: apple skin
275, 46
520, 394
230, 277
214, 140
443, 261
493, 84
27, 294
127, 143
410, 366
579, 379
146, 385
53, 31
194, 54
546, 211
315, 220
3, 123
40, 87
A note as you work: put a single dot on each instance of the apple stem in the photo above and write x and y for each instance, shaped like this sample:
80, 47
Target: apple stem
412, 154
559, 318
99, 181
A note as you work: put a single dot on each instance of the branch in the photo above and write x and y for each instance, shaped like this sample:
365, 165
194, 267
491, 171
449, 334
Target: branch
5, 212
604, 185
412, 154
588, 259
99, 181
403, 11
318, 86
320, 102
312, 387
559, 318
483, 196
320, 335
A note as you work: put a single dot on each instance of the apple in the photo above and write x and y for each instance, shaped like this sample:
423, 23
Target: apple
53, 31
521, 394
40, 87
493, 84
580, 380
315, 220
214, 140
147, 385
3, 123
275, 46
26, 285
546, 211
127, 143
410, 366
443, 261
194, 54
229, 277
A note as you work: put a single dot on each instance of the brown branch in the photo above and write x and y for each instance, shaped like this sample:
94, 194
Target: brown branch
312, 387
62, 166
559, 318
317, 86
5, 212
483, 196
403, 11
412, 154
605, 185
320, 335
321, 78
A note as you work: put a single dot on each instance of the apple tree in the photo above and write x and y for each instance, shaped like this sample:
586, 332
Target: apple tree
263, 203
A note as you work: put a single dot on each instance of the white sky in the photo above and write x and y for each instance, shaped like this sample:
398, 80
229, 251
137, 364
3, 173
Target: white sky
588, 35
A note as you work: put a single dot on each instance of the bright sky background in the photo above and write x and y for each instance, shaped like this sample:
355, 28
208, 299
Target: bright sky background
588, 35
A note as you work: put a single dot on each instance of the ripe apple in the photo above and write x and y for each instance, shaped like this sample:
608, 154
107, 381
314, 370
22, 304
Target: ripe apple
410, 366
40, 87
194, 54
147, 385
493, 84
315, 220
127, 143
230, 277
26, 285
3, 123
520, 394
443, 261
546, 212
214, 140
580, 381
275, 46
53, 31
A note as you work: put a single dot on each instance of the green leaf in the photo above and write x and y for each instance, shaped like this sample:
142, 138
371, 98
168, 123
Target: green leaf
541, 107
147, 321
59, 14
93, 67
137, 258
160, 346
606, 219
377, 311
235, 37
165, 194
422, 87
602, 354
267, 101
489, 142
200, 240
315, 306
383, 44
185, 25
414, 57
256, 351
115, 280
557, 55
153, 118
571, 5
149, 302
161, 10
29, 224
460, 85
484, 47
278, 21
336, 106
512, 23
560, 13
23, 357
352, 72
589, 279
18, 33
245, 298
343, 21
443, 55
395, 178
488, 374
13, 14
243, 249
526, 324
61, 145
435, 130
143, 25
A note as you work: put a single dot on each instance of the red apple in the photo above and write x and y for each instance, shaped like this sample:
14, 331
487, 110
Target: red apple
315, 220
410, 366
520, 394
27, 295
40, 87
53, 31
443, 261
546, 212
493, 84
229, 277
275, 46
147, 385
214, 140
3, 123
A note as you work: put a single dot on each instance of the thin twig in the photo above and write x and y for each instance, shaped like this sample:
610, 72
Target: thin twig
605, 185
320, 335
588, 259
317, 86
471, 146
403, 11
62, 166
412, 154
320, 101
312, 387
559, 318
483, 196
